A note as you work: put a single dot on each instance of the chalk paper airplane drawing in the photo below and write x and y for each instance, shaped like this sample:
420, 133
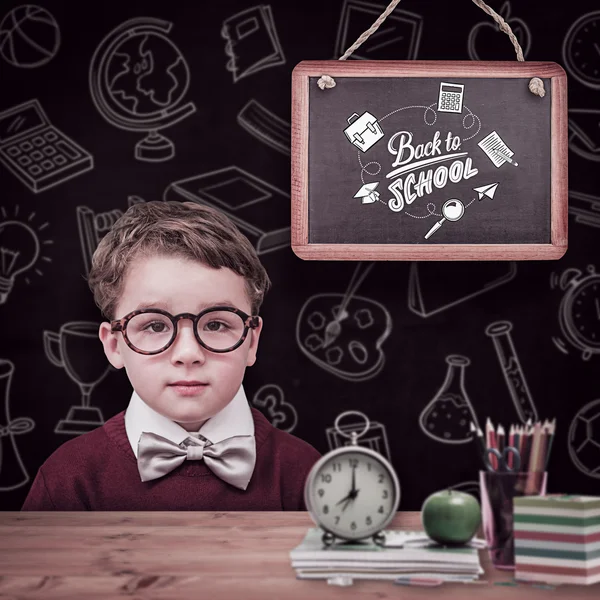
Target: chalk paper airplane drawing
367, 193
487, 191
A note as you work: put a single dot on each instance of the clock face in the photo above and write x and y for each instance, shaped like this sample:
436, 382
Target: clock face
353, 494
581, 50
585, 312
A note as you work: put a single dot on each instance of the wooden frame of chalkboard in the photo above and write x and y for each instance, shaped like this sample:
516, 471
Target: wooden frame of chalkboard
314, 161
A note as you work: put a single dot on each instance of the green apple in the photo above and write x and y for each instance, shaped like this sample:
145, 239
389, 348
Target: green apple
451, 517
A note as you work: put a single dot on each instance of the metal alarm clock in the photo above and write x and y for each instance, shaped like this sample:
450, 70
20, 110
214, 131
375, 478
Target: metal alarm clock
352, 493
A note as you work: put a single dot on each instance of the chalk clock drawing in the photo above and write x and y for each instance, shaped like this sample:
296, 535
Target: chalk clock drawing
420, 169
584, 439
579, 311
281, 414
580, 50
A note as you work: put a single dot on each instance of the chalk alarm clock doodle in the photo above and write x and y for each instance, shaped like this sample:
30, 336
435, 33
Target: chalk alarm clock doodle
352, 493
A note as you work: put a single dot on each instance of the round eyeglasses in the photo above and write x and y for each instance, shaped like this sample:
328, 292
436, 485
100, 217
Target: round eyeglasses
152, 330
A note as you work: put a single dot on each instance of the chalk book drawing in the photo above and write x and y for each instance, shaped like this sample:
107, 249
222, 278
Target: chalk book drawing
419, 170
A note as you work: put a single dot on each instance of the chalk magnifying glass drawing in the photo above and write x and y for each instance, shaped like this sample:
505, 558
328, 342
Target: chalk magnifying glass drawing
452, 210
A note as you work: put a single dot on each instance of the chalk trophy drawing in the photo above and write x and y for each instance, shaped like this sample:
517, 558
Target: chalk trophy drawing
482, 42
448, 416
584, 439
252, 42
266, 126
29, 37
19, 251
585, 208
584, 139
580, 50
36, 152
579, 311
496, 150
282, 414
85, 363
94, 226
400, 36
343, 333
374, 438
499, 331
258, 208
434, 288
13, 474
138, 79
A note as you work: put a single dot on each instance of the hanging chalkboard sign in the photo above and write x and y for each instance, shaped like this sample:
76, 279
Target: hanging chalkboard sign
429, 160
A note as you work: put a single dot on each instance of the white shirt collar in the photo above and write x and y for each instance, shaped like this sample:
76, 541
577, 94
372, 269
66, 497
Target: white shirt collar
233, 419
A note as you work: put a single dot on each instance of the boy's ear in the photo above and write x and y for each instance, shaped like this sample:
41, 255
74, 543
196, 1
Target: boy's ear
111, 345
254, 336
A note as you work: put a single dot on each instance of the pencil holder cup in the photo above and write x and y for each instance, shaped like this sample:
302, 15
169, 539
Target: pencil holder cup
498, 488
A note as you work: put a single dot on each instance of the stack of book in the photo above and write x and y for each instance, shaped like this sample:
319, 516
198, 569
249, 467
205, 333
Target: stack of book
402, 556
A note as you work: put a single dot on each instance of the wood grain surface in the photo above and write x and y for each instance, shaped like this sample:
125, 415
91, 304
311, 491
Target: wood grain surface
205, 555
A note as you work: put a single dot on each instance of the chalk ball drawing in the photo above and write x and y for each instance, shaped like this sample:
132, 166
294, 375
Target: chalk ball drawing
584, 439
270, 399
579, 311
448, 416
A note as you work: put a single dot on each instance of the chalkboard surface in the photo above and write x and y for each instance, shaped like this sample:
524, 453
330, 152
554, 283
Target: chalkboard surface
452, 159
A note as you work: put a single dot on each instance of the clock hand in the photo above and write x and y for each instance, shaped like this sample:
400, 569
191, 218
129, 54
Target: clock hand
345, 498
347, 502
597, 48
598, 307
353, 480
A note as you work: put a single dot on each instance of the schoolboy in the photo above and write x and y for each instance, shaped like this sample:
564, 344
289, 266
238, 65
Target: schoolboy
181, 289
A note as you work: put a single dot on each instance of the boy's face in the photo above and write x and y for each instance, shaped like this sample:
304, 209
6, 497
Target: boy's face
180, 285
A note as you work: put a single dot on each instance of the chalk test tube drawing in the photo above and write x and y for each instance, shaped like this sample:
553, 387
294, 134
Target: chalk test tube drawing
343, 333
258, 208
399, 37
435, 287
499, 331
19, 251
484, 43
448, 416
282, 414
12, 470
80, 354
374, 438
39, 154
138, 80
266, 126
579, 311
93, 227
584, 439
450, 97
585, 208
29, 36
584, 133
252, 43
580, 50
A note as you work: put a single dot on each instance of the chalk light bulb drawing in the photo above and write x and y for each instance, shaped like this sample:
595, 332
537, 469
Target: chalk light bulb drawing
19, 250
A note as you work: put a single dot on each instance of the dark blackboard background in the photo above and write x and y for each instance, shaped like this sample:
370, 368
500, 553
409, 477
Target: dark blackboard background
211, 139
520, 211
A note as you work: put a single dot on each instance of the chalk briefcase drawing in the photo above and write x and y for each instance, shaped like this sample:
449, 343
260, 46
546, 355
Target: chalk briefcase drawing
363, 132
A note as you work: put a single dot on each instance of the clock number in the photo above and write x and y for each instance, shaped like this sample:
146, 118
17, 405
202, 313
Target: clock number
369, 521
326, 509
353, 525
353, 462
385, 494
381, 477
337, 467
326, 478
321, 492
380, 509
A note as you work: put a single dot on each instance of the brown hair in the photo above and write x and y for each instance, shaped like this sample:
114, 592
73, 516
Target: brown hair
183, 229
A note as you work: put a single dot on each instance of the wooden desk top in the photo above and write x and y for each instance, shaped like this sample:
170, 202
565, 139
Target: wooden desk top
214, 555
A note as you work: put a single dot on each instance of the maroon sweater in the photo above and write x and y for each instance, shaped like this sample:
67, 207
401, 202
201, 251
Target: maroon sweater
98, 471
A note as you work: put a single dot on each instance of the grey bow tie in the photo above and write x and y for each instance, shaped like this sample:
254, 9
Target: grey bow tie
232, 459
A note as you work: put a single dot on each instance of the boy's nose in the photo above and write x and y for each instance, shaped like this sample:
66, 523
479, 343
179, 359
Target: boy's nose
186, 347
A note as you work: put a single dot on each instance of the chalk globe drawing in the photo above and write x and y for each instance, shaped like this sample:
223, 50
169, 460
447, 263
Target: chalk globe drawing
584, 439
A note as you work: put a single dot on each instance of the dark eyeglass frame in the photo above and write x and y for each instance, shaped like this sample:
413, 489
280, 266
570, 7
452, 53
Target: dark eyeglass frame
250, 322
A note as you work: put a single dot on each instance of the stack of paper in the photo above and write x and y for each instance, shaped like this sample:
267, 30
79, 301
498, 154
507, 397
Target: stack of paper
421, 559
557, 539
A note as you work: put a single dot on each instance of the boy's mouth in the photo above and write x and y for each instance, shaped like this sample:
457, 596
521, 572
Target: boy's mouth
188, 382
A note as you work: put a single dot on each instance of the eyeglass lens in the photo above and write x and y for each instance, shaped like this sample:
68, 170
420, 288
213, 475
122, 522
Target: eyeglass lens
219, 330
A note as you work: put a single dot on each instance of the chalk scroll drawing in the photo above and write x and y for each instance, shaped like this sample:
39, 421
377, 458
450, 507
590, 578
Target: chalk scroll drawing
265, 126
282, 414
580, 50
19, 250
13, 474
79, 353
513, 373
448, 416
343, 333
138, 80
374, 438
579, 311
398, 38
36, 152
252, 42
584, 439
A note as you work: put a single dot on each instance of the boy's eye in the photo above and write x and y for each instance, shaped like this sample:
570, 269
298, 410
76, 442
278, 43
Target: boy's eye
215, 326
156, 327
